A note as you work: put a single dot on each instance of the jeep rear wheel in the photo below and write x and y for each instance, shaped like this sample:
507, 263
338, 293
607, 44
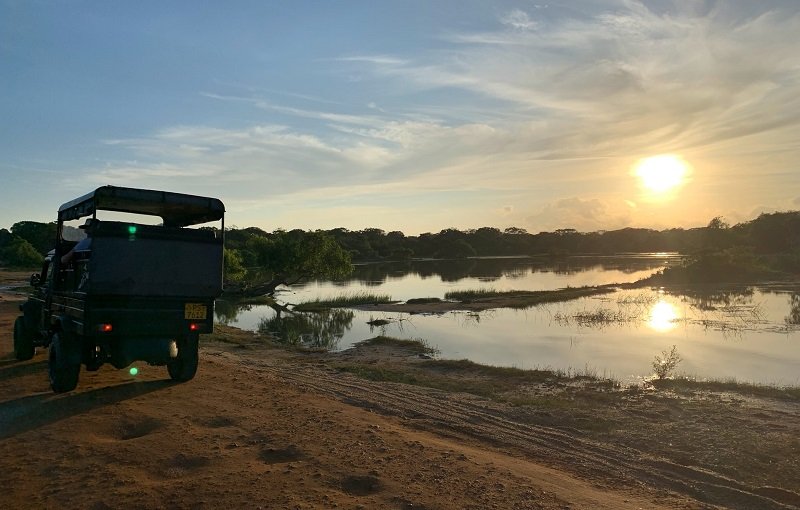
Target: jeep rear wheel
63, 368
184, 366
23, 343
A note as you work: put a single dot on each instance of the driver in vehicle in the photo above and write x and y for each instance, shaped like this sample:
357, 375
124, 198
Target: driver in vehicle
84, 245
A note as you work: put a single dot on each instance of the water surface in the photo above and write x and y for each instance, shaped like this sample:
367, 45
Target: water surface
750, 334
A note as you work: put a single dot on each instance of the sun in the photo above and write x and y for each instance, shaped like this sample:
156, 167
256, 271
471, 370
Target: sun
663, 317
662, 173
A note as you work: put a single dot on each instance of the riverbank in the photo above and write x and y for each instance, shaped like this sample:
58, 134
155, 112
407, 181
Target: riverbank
382, 425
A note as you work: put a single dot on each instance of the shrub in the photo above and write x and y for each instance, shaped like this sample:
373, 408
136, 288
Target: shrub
664, 365
21, 253
234, 268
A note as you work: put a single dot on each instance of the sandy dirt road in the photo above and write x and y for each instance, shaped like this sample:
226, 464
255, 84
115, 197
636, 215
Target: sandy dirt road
261, 427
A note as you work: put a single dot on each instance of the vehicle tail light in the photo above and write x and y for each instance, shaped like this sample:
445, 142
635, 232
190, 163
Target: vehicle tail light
105, 327
193, 326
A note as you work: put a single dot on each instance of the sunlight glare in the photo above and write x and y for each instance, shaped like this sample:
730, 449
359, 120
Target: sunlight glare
663, 317
662, 173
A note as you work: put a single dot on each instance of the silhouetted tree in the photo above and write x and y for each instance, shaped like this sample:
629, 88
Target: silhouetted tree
286, 258
776, 235
718, 223
776, 232
20, 253
42, 236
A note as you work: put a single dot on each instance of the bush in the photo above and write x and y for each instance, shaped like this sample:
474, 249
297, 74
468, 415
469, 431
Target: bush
665, 364
21, 253
234, 269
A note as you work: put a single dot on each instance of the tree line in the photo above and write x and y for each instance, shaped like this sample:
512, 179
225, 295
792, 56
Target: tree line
252, 254
769, 233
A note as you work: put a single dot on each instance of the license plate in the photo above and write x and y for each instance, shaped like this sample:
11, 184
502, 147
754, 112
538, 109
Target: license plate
195, 311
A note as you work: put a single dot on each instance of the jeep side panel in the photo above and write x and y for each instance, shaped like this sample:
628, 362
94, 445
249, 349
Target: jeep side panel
185, 263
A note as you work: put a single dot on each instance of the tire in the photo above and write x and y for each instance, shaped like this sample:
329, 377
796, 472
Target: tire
184, 367
23, 341
63, 369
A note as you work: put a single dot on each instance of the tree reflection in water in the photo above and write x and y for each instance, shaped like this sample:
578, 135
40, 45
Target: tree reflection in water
793, 319
730, 311
226, 310
491, 269
318, 330
717, 300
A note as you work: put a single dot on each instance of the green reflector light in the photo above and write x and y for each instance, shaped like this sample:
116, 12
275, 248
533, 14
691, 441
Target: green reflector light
131, 229
134, 370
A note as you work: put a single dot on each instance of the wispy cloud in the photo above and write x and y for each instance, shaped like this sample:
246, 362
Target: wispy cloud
635, 75
518, 20
382, 60
543, 107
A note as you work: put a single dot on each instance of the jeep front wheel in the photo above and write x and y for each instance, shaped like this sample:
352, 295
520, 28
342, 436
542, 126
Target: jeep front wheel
63, 368
23, 343
184, 366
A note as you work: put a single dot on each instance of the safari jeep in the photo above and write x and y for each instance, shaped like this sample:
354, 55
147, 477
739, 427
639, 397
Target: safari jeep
132, 291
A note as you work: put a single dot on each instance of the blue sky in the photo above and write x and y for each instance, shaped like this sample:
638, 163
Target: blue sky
405, 115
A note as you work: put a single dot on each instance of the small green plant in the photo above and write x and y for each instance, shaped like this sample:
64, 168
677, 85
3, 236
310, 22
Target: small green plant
665, 364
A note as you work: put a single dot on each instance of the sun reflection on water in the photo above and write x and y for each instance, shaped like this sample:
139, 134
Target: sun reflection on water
663, 317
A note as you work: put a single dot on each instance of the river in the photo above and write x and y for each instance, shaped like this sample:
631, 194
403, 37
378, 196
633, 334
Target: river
748, 334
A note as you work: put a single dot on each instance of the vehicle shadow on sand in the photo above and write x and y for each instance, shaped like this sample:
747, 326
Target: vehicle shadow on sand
35, 411
10, 368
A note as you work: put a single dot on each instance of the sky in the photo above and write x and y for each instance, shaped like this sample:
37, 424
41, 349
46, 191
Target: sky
410, 115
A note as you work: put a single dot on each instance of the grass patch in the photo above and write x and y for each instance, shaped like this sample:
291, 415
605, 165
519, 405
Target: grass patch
689, 385
596, 318
344, 301
524, 298
514, 377
478, 294
643, 299
374, 373
506, 373
503, 384
417, 346
423, 301
421, 378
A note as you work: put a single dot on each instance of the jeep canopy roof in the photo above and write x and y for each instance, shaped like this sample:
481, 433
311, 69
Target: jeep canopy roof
175, 209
